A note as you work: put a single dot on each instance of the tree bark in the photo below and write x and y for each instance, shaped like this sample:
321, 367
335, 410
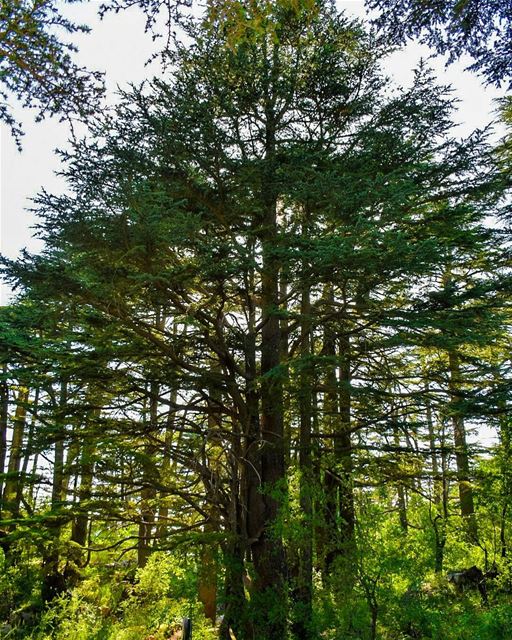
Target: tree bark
303, 593
438, 518
400, 489
53, 582
467, 508
148, 491
269, 601
80, 523
29, 448
208, 571
13, 484
4, 418
339, 513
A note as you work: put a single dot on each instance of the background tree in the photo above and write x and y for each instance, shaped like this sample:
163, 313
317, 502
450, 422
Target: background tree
479, 28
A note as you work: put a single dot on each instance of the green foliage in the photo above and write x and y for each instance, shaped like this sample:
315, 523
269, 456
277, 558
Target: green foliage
455, 27
18, 588
108, 606
36, 66
268, 311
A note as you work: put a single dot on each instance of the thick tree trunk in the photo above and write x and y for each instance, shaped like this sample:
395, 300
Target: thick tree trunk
269, 600
207, 587
268, 550
13, 487
235, 612
402, 508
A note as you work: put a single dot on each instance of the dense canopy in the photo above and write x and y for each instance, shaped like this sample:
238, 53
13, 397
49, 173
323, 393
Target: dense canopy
259, 376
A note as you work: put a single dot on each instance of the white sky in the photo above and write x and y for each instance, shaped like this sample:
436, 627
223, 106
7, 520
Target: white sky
118, 46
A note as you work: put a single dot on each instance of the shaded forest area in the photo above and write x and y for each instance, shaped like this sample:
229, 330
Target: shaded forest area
259, 376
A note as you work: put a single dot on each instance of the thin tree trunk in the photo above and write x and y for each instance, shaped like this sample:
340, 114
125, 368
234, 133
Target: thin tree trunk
402, 501
252, 512
340, 518
506, 471
80, 524
30, 446
4, 418
285, 331
148, 492
304, 591
467, 508
163, 508
330, 534
13, 483
208, 572
436, 476
53, 582
438, 518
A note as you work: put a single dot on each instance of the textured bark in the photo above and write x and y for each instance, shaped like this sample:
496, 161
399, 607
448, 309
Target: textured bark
81, 523
270, 593
235, 614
